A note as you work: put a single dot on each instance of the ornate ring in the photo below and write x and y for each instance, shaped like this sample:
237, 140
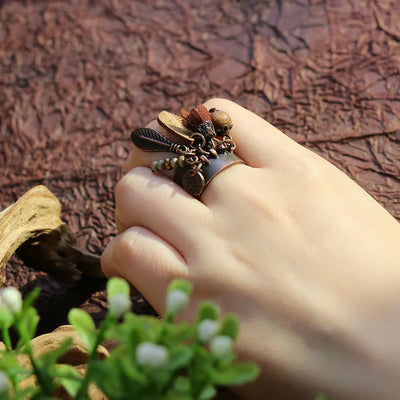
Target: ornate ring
199, 138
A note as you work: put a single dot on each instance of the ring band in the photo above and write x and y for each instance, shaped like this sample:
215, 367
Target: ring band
195, 182
201, 141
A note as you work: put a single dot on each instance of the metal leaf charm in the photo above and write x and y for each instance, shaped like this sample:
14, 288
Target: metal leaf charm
150, 140
176, 131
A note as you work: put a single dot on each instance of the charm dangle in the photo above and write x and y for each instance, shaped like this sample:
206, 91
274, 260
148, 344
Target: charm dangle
150, 140
200, 139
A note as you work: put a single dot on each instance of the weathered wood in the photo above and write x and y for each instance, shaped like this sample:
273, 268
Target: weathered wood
57, 253
77, 356
33, 227
36, 212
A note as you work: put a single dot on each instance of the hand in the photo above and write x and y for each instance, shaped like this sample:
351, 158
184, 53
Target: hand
306, 258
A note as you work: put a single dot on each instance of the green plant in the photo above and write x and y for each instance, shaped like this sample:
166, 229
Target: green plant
154, 358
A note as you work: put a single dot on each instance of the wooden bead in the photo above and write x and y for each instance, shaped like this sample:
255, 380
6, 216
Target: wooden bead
221, 120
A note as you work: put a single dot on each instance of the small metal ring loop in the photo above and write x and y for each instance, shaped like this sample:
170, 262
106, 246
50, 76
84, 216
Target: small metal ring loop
196, 136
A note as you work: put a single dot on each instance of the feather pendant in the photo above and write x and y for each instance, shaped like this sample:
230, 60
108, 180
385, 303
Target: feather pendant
150, 140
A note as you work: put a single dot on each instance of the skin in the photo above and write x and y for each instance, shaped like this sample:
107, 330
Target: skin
305, 257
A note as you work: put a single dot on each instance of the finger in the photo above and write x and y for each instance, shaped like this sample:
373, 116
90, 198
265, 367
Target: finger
258, 142
146, 261
159, 204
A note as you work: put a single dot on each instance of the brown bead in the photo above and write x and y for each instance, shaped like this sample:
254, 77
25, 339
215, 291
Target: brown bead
221, 120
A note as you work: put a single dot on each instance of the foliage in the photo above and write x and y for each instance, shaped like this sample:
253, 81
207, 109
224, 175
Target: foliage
154, 358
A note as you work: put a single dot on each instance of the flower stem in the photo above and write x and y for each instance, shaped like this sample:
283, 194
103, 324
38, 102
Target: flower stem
82, 393
43, 380
6, 338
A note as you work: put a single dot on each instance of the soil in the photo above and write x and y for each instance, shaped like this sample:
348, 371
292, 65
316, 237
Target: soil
77, 76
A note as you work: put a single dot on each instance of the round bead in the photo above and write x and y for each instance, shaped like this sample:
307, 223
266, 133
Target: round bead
221, 120
154, 166
167, 165
174, 163
160, 165
181, 161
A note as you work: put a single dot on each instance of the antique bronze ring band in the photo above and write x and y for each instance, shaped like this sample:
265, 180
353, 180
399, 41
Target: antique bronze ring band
195, 183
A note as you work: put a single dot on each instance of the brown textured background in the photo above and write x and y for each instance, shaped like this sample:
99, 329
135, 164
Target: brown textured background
76, 76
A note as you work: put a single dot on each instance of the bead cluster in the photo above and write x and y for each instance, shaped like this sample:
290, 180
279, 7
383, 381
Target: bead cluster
168, 163
209, 131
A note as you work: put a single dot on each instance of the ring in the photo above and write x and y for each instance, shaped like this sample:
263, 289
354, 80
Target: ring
201, 141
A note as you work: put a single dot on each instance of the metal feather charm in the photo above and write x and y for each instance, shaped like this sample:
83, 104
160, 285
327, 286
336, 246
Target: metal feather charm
150, 140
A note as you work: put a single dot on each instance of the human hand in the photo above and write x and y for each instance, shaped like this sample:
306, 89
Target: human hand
305, 257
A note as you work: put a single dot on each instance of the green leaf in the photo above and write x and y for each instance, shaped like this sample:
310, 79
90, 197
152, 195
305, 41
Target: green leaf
117, 286
207, 310
236, 374
118, 376
69, 378
84, 325
200, 369
180, 284
6, 319
30, 299
31, 320
320, 397
180, 357
182, 384
207, 393
174, 334
26, 324
10, 364
230, 326
108, 379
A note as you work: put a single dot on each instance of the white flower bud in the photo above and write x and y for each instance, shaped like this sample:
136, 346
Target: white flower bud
176, 301
119, 304
11, 299
151, 355
207, 329
4, 383
221, 345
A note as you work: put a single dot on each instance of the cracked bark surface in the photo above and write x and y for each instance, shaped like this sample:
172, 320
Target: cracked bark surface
77, 76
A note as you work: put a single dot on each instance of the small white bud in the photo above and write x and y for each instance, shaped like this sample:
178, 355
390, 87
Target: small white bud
207, 329
176, 301
151, 355
11, 299
119, 304
4, 383
221, 345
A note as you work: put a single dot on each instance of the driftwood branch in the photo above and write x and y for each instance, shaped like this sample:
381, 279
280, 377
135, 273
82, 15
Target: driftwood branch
32, 227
